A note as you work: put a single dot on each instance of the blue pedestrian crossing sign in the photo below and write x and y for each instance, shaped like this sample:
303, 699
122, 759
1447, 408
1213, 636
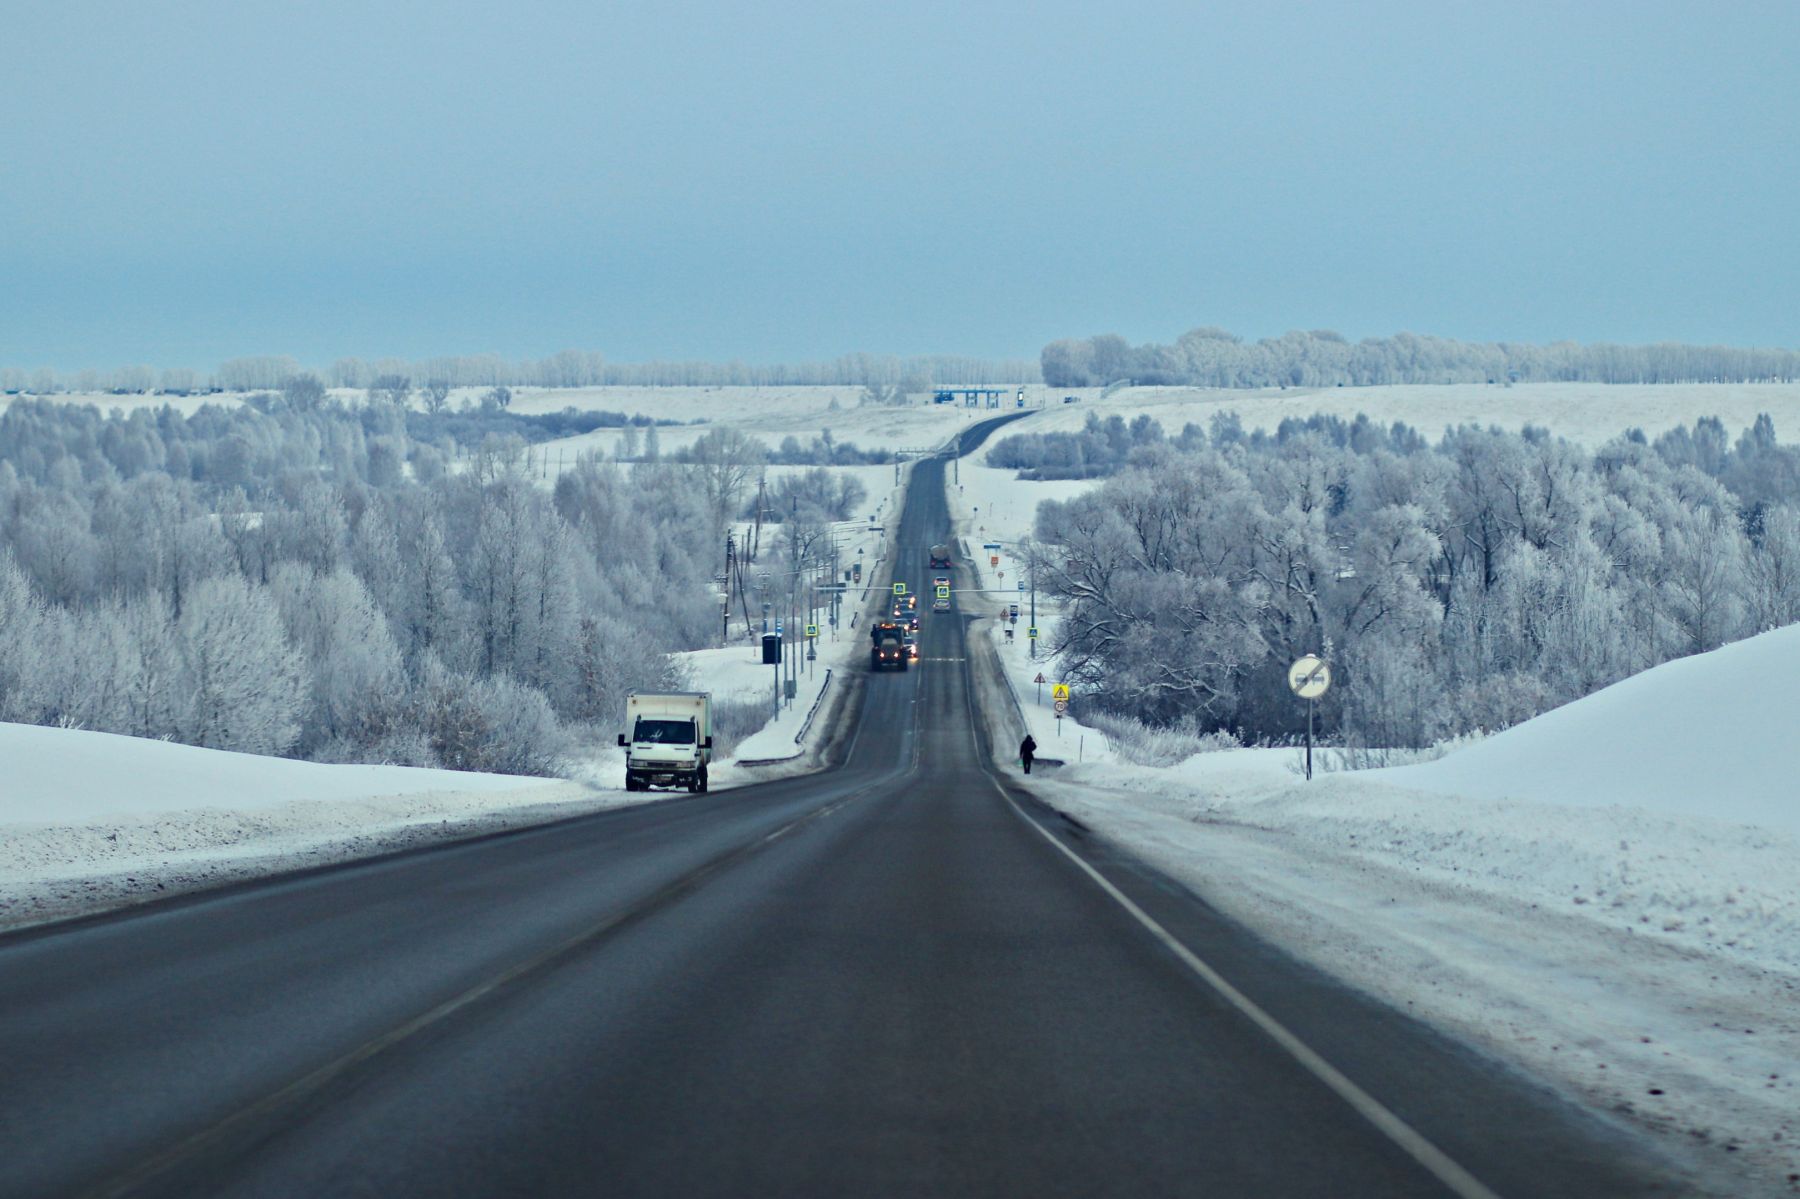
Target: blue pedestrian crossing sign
943, 593
899, 588
812, 630
1032, 632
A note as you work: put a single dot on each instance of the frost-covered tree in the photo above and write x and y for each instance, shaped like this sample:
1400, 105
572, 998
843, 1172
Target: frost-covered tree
246, 684
358, 684
1772, 571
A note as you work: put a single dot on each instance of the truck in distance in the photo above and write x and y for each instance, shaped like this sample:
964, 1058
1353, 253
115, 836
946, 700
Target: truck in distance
887, 646
668, 742
940, 557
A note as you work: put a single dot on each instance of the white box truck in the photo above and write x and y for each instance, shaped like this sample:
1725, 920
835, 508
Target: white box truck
667, 739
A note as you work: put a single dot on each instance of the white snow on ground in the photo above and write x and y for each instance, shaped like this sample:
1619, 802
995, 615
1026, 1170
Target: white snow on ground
94, 820
1588, 414
767, 413
1711, 735
57, 775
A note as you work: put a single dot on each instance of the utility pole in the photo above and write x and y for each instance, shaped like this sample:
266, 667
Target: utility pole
730, 562
1031, 569
756, 542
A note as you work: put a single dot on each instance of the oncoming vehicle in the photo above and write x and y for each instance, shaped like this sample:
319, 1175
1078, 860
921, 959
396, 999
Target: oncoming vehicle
912, 648
670, 739
887, 646
940, 605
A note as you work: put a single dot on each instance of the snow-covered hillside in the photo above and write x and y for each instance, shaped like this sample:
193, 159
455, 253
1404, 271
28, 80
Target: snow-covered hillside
67, 775
1708, 736
94, 820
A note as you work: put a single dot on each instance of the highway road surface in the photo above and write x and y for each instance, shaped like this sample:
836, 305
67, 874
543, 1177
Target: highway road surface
900, 976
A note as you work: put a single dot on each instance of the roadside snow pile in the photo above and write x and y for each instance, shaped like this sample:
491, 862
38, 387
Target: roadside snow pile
58, 776
95, 820
1711, 735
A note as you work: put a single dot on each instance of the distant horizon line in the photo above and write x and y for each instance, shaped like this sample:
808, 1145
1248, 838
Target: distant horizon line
588, 368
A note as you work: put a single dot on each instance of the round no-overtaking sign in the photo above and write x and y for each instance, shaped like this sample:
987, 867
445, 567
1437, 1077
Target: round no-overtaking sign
1309, 677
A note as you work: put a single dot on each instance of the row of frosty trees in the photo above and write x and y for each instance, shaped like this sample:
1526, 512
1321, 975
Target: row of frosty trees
276, 578
1457, 586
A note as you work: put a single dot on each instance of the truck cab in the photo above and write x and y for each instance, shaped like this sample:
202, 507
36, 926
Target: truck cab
887, 646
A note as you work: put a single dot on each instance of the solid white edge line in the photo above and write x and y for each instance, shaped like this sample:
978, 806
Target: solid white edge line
1408, 1139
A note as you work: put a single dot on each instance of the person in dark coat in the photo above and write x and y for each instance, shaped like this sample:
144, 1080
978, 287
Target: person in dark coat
1027, 748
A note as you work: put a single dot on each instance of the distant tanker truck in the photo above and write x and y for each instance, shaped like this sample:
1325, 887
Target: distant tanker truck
940, 557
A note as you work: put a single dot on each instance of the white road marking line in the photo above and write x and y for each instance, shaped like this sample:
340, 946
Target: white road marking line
1408, 1139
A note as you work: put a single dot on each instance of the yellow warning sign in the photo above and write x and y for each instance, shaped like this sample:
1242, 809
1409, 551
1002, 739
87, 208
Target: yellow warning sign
1060, 691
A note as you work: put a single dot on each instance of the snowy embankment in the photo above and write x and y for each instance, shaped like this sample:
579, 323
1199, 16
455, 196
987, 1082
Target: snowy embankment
90, 821
1608, 895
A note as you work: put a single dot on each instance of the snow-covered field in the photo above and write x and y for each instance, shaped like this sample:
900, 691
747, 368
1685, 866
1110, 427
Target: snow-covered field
767, 413
1588, 414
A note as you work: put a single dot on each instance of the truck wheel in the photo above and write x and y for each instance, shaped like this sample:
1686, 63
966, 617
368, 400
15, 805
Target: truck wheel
703, 781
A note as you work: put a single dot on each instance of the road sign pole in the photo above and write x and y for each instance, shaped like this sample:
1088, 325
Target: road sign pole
1311, 705
1309, 678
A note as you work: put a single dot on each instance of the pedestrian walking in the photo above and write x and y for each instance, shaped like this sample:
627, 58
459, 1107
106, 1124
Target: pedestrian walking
1027, 748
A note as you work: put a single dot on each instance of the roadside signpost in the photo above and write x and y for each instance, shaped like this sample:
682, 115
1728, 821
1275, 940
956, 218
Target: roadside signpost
943, 593
1309, 678
1059, 694
1032, 632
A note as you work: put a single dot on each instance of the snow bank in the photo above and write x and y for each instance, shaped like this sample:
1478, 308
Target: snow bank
90, 821
1708, 736
56, 776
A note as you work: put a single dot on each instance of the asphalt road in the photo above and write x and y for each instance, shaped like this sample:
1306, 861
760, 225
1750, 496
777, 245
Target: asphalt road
901, 976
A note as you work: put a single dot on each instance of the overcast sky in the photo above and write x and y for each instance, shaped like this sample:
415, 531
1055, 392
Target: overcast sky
186, 182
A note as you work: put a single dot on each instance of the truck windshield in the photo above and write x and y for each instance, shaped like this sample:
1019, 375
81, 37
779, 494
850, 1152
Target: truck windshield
667, 732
